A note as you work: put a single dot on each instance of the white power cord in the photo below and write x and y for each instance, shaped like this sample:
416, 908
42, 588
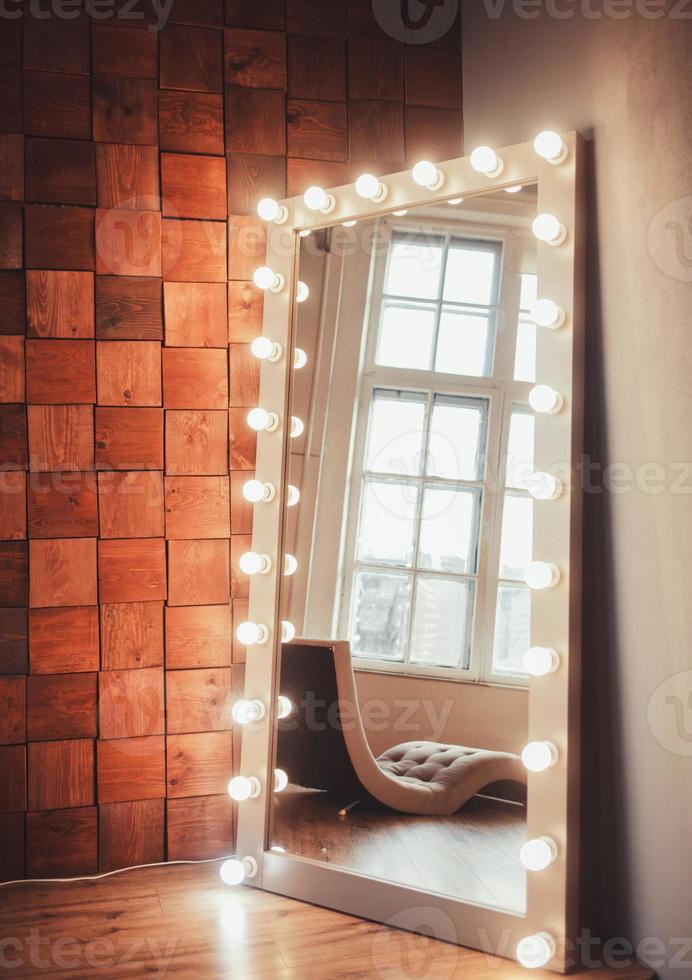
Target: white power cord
106, 874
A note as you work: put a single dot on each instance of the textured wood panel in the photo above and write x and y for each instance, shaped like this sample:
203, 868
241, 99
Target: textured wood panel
132, 570
245, 375
128, 372
433, 133
198, 700
301, 174
317, 130
11, 167
12, 846
433, 77
61, 774
62, 572
14, 641
60, 304
131, 769
123, 51
270, 15
376, 69
131, 504
13, 716
247, 238
128, 309
62, 843
194, 378
14, 573
59, 238
255, 121
240, 582
196, 443
60, 171
241, 509
198, 636
199, 827
11, 236
60, 372
128, 243
191, 59
61, 437
129, 438
124, 110
197, 507
12, 505
195, 314
316, 69
131, 635
245, 312
62, 505
191, 122
194, 251
198, 573
243, 441
12, 292
199, 764
11, 369
57, 105
131, 703
64, 641
127, 176
57, 44
252, 176
256, 59
61, 706
12, 778
376, 130
131, 834
328, 19
193, 186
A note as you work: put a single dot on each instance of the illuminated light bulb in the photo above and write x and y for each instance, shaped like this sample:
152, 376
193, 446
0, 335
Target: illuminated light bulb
235, 871
300, 358
547, 229
284, 706
533, 952
538, 854
280, 780
243, 788
290, 565
371, 188
539, 661
266, 278
262, 421
401, 213
485, 160
302, 292
544, 399
539, 756
245, 712
292, 496
270, 210
544, 486
256, 492
455, 200
297, 427
265, 349
305, 233
349, 224
545, 313
550, 146
253, 564
426, 174
540, 575
317, 199
252, 634
515, 189
288, 631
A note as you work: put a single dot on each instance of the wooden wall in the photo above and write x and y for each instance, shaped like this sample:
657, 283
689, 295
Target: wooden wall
130, 165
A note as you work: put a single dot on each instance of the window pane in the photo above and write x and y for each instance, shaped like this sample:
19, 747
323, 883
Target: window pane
456, 448
406, 337
387, 523
414, 268
512, 629
449, 530
462, 344
527, 290
379, 615
470, 275
395, 432
525, 354
441, 622
520, 463
517, 535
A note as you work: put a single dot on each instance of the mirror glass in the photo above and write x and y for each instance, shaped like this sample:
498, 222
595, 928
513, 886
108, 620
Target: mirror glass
405, 554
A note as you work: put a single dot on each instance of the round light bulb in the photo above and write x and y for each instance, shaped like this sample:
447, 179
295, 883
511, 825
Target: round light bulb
280, 780
349, 224
455, 200
265, 349
544, 399
547, 229
244, 712
302, 292
284, 707
232, 872
544, 486
538, 854
292, 496
545, 313
485, 160
288, 631
317, 199
255, 491
539, 756
262, 421
253, 564
426, 174
243, 788
514, 189
270, 210
265, 278
290, 564
304, 233
252, 634
533, 952
550, 146
400, 213
297, 427
371, 188
540, 575
300, 358
539, 661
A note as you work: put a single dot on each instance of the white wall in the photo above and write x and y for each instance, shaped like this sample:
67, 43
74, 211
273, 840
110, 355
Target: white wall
626, 85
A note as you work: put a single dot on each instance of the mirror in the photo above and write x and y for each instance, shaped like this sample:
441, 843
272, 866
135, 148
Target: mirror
405, 557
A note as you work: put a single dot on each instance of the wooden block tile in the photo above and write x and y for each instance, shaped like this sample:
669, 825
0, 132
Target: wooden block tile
197, 507
269, 15
57, 44
14, 641
13, 716
199, 764
376, 69
191, 122
241, 509
62, 843
57, 105
193, 186
132, 833
129, 438
317, 130
194, 251
123, 51
195, 314
11, 235
435, 134
127, 175
128, 372
244, 376
61, 706
198, 636
199, 828
60, 171
12, 303
240, 614
198, 573
128, 243
131, 504
326, 20
11, 44
195, 378
245, 311
14, 574
132, 570
11, 101
301, 174
255, 59
191, 59
12, 369
124, 110
12, 847
316, 69
12, 778
62, 505
240, 582
131, 635
131, 703
255, 121
202, 13
251, 177
198, 700
62, 572
11, 167
131, 769
433, 77
376, 130
247, 240
64, 641
60, 372
59, 238
60, 304
196, 443
61, 774
128, 309
243, 441
12, 505
61, 437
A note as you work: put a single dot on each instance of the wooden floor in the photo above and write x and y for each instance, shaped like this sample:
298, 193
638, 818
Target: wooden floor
180, 921
472, 854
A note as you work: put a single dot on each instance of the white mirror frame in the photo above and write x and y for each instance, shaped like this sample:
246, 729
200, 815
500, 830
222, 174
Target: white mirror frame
554, 699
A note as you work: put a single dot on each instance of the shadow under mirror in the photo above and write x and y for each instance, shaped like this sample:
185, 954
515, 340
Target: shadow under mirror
405, 554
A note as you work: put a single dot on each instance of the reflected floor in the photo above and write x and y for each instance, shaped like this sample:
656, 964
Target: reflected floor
472, 855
